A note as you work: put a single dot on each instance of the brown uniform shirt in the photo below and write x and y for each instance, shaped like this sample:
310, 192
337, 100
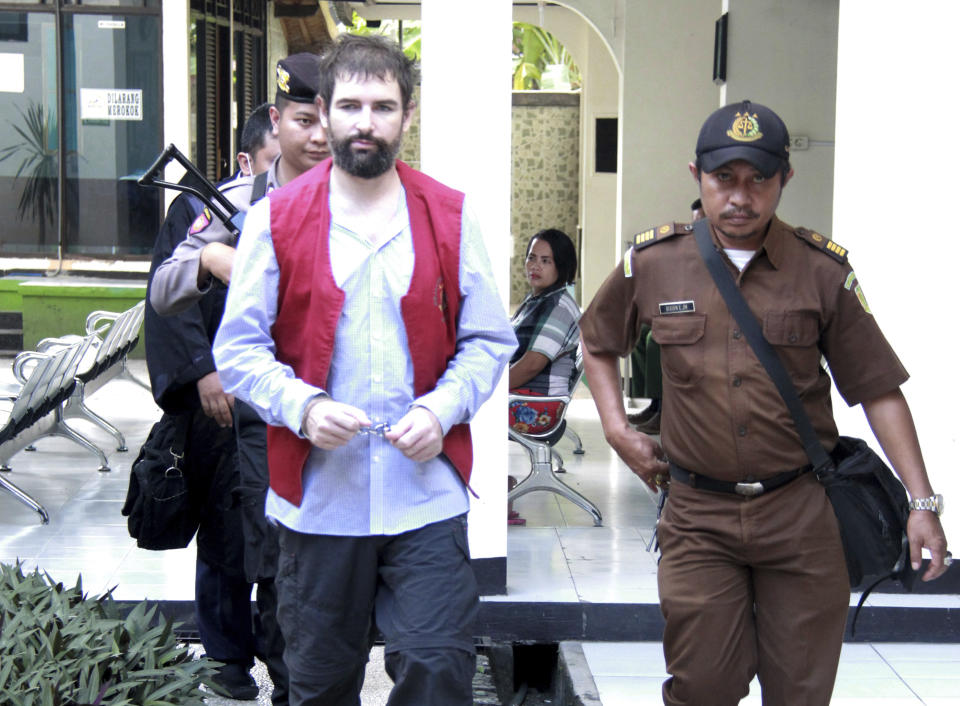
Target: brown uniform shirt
722, 415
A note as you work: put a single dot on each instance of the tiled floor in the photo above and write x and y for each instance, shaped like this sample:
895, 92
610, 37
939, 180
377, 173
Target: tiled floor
559, 556
882, 674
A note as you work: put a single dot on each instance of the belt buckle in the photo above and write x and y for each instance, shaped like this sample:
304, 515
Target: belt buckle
750, 490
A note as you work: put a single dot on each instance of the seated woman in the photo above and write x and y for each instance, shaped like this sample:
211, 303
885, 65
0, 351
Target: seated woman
547, 331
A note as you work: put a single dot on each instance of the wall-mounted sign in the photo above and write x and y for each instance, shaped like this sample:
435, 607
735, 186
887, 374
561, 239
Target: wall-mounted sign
111, 104
11, 73
111, 24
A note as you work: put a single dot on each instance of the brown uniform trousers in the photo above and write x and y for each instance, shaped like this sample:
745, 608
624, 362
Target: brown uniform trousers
751, 586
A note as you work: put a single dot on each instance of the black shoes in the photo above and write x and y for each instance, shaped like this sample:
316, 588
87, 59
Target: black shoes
234, 680
648, 420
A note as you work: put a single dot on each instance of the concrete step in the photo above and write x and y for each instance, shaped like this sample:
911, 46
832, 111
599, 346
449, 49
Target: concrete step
11, 332
11, 320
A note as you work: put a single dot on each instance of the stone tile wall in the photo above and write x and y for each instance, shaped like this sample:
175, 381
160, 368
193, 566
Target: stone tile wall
545, 188
410, 149
545, 185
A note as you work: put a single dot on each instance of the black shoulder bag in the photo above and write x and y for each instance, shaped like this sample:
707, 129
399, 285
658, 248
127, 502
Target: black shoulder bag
868, 499
162, 509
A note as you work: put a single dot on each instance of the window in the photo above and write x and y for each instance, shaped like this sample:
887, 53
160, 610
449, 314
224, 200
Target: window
113, 128
70, 179
228, 78
29, 157
605, 156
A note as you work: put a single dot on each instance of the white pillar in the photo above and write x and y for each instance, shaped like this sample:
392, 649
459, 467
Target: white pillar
465, 143
176, 83
894, 193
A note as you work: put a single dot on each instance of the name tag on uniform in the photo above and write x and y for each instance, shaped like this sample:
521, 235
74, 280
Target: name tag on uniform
667, 308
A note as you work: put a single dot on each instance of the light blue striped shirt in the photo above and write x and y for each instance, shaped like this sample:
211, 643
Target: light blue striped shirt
366, 487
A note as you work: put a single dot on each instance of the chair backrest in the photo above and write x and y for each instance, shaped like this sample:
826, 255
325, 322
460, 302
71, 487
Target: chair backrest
577, 375
119, 338
40, 392
113, 339
44, 389
131, 329
29, 392
556, 430
65, 379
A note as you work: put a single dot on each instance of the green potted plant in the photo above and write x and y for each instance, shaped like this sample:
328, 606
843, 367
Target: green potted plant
59, 647
540, 61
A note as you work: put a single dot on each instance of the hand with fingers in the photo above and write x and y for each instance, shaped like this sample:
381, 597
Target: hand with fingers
216, 259
418, 434
216, 404
329, 424
644, 456
924, 530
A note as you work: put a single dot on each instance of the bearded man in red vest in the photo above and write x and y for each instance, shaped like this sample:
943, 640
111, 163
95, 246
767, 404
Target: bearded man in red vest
364, 326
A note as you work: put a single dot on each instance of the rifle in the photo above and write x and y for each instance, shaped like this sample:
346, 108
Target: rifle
197, 184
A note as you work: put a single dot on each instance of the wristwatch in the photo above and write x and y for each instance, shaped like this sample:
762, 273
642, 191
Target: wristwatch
934, 504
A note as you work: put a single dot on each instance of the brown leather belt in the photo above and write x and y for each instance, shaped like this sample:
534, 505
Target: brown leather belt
749, 489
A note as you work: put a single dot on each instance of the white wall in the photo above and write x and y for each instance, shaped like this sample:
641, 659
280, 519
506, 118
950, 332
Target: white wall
457, 116
176, 84
784, 55
893, 189
781, 54
666, 92
600, 98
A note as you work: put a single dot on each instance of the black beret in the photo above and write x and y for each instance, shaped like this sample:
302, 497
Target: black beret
298, 77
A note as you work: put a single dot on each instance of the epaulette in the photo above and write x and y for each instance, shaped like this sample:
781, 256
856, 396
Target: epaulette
658, 235
822, 243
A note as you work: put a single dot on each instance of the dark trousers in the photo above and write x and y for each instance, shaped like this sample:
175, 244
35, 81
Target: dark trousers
223, 615
259, 536
260, 544
751, 586
230, 633
417, 588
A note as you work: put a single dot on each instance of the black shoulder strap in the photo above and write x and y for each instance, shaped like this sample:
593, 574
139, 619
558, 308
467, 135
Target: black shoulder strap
178, 444
764, 351
259, 187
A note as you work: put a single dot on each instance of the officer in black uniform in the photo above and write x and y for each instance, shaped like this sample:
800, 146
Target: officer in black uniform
187, 278
184, 381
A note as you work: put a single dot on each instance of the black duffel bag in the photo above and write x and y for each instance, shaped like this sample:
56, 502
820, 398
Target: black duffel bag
161, 510
871, 508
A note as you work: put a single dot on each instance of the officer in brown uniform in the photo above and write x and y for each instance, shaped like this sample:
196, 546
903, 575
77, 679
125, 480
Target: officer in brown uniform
750, 584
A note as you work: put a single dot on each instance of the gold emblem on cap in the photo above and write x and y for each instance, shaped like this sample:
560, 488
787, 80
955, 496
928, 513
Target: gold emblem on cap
664, 229
816, 236
283, 79
745, 128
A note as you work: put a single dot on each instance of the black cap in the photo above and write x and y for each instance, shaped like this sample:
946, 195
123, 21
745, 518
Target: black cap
298, 77
747, 131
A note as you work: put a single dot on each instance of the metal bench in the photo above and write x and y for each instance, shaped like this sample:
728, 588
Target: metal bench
543, 475
113, 336
37, 410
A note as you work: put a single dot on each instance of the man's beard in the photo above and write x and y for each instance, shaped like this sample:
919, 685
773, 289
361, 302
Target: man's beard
366, 164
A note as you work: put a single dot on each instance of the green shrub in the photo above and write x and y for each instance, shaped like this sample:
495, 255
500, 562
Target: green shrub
61, 648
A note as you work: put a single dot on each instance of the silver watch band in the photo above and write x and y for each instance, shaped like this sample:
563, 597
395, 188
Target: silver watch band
934, 504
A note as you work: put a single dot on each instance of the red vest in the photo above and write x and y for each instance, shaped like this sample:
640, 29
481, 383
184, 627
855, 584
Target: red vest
309, 302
